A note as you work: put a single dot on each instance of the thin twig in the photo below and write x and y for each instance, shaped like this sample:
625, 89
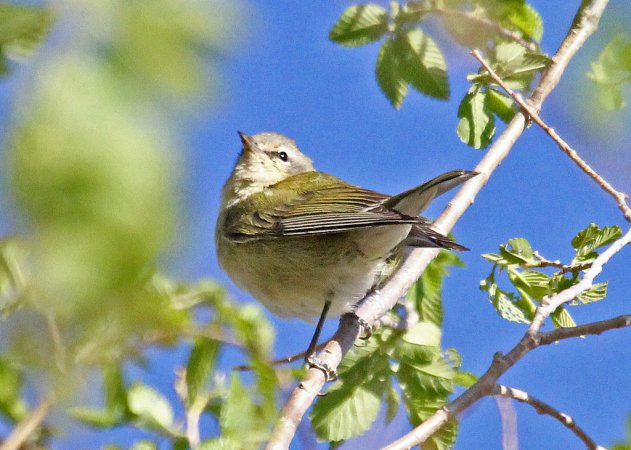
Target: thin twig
544, 408
620, 197
380, 302
20, 434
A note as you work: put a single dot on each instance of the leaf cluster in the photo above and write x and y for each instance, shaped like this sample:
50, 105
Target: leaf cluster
396, 367
526, 272
409, 56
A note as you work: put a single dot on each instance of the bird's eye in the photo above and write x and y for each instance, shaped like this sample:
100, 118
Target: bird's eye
283, 156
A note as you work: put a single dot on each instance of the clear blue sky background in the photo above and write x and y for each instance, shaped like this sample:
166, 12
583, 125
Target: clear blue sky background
285, 76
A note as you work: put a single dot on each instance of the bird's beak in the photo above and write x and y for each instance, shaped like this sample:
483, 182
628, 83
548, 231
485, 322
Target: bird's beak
248, 144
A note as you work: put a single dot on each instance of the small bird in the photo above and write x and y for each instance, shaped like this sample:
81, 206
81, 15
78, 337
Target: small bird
307, 244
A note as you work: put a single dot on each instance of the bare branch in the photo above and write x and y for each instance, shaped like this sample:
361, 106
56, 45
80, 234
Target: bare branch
584, 330
378, 303
20, 434
563, 145
544, 408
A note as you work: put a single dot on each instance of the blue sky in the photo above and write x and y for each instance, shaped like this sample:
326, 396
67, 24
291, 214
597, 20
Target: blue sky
284, 75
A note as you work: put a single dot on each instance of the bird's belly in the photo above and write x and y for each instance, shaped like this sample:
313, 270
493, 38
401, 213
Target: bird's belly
294, 277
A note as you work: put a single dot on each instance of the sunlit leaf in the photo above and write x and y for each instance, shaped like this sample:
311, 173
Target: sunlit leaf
477, 123
199, 367
592, 238
612, 71
360, 25
500, 104
422, 63
150, 407
389, 76
561, 318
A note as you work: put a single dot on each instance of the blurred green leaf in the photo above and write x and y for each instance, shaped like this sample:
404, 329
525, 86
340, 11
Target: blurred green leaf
388, 72
612, 71
22, 29
422, 64
200, 366
426, 292
150, 407
12, 406
515, 15
94, 417
145, 444
240, 419
359, 25
477, 123
392, 403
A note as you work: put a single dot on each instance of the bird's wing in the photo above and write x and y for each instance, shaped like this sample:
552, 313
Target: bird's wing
290, 209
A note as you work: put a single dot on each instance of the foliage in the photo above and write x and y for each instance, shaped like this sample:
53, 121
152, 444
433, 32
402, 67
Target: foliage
409, 56
518, 260
612, 71
394, 367
626, 445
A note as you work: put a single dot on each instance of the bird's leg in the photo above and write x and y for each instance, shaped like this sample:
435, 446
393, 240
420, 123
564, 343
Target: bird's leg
311, 360
366, 327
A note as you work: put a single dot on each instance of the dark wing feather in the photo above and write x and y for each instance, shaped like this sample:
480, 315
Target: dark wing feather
293, 210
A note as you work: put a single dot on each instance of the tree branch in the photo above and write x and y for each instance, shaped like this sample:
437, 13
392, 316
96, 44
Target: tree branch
378, 303
544, 408
563, 145
20, 434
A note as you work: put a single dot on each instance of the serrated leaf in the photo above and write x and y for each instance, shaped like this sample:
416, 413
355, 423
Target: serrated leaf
527, 20
150, 407
423, 64
500, 104
199, 367
389, 76
426, 292
530, 282
561, 318
597, 292
360, 25
592, 238
345, 412
476, 127
504, 302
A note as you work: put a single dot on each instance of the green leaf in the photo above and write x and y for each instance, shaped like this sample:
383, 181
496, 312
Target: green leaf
592, 238
477, 123
389, 76
423, 333
150, 407
145, 444
97, 418
199, 367
360, 25
353, 403
11, 382
422, 63
597, 292
114, 391
426, 292
392, 402
465, 379
518, 250
526, 19
562, 319
500, 104
612, 70
530, 282
504, 302
22, 29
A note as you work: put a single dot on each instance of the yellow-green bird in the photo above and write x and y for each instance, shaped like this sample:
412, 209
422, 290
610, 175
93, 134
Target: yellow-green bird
306, 243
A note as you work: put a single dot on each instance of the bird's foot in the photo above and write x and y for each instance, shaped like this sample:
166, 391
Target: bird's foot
330, 374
